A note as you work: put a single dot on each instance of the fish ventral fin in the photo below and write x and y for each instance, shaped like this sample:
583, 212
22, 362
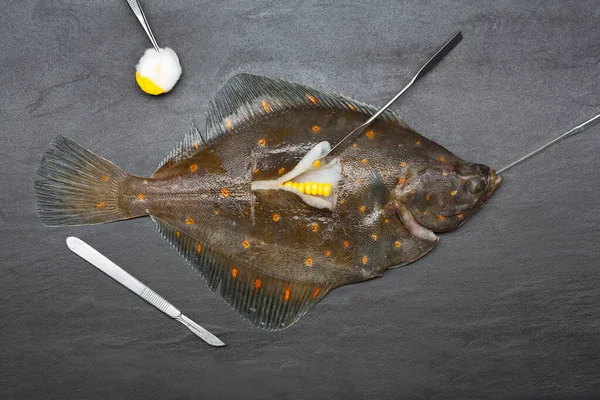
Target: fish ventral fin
266, 301
246, 98
191, 143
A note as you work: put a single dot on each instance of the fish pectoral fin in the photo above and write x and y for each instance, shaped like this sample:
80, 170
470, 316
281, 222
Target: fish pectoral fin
381, 193
266, 301
414, 227
314, 181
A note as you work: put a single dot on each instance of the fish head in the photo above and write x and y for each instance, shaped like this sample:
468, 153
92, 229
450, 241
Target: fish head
442, 198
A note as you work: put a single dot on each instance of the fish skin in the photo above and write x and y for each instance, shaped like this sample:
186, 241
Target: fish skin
207, 197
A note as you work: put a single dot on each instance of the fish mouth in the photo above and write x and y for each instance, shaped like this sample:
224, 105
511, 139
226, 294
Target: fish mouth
495, 181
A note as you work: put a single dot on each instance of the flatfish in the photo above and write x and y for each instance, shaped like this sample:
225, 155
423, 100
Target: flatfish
255, 210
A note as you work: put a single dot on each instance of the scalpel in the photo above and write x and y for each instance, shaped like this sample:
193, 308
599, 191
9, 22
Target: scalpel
99, 261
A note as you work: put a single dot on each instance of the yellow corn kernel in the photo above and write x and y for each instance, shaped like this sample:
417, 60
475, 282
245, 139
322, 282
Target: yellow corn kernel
287, 184
307, 188
320, 189
314, 188
295, 185
301, 187
327, 189
317, 163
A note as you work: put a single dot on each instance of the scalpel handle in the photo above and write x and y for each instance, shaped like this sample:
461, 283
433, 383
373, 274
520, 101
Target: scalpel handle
111, 269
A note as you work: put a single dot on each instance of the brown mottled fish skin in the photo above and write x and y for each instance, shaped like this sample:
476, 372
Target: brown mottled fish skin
273, 255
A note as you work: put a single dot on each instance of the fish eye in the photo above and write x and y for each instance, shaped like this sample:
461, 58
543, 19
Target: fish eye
475, 185
467, 169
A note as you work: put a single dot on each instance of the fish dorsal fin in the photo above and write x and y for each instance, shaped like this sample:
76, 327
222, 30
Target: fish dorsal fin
246, 98
266, 301
190, 144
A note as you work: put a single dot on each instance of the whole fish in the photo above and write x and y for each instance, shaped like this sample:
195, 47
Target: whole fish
249, 204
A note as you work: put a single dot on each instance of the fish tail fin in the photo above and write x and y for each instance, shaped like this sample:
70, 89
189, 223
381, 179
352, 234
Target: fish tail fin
79, 187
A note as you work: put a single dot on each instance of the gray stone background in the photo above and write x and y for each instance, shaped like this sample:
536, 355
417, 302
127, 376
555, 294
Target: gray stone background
507, 306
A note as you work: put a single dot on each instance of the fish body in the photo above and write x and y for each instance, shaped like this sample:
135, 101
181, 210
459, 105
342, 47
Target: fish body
225, 198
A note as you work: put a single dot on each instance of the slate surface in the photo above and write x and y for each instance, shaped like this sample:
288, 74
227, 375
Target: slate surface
507, 306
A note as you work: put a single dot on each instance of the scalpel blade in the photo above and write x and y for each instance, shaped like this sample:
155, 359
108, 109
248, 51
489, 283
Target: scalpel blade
111, 269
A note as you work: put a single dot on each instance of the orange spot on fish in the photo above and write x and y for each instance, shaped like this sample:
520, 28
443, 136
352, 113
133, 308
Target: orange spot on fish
234, 272
256, 171
266, 106
262, 142
427, 197
445, 173
141, 197
193, 167
316, 129
412, 191
276, 217
354, 145
177, 234
365, 259
327, 253
228, 124
224, 192
199, 248
453, 193
365, 161
105, 178
374, 237
342, 201
370, 134
417, 141
281, 171
386, 221
257, 284
169, 203
286, 294
346, 243
216, 211
314, 227
246, 244
424, 212
362, 208
196, 146
442, 217
100, 205
460, 216
312, 99
189, 221
397, 244
442, 159
401, 180
403, 164
316, 293
309, 262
